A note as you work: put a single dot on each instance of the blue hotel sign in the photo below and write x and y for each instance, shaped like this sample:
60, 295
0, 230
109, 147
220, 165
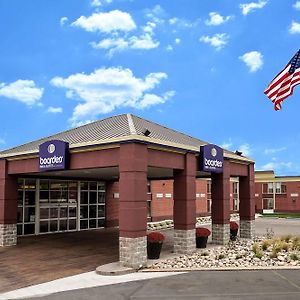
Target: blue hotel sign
211, 158
53, 155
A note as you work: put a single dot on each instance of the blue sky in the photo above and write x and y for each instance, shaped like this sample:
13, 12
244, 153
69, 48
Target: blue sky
199, 67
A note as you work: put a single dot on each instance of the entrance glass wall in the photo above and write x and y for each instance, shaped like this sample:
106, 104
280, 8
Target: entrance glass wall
49, 206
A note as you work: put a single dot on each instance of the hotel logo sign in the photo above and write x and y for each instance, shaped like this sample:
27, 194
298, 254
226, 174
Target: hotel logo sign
53, 155
211, 158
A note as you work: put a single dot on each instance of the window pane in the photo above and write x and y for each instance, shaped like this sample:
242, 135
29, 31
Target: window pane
44, 226
84, 197
84, 212
44, 184
20, 198
29, 214
93, 223
30, 184
72, 224
101, 223
101, 186
19, 229
63, 225
44, 213
29, 229
53, 225
101, 210
101, 197
93, 197
63, 212
84, 224
29, 197
93, 186
84, 185
93, 211
20, 184
72, 212
44, 197
53, 213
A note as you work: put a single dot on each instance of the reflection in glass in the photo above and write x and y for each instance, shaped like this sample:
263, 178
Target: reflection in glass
44, 197
62, 225
83, 224
63, 212
72, 211
101, 223
44, 184
93, 223
29, 197
84, 185
93, 186
30, 184
84, 212
44, 213
53, 225
29, 229
101, 197
44, 226
53, 213
84, 197
72, 224
20, 198
29, 214
101, 211
20, 215
19, 229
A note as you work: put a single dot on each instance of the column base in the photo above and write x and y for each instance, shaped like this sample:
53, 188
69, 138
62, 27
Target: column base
133, 252
247, 229
184, 241
220, 234
8, 235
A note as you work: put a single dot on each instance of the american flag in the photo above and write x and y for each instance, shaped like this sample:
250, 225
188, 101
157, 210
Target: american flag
283, 84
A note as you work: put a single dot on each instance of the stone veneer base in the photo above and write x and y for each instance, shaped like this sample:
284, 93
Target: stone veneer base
184, 241
8, 235
247, 229
133, 252
220, 234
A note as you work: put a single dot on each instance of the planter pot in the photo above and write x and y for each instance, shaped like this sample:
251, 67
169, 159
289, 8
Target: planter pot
201, 241
233, 234
153, 250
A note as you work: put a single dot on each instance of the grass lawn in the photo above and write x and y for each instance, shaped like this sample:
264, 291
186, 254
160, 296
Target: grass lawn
283, 215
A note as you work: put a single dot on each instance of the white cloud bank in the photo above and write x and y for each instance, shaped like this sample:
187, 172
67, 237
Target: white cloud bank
245, 149
274, 150
253, 60
107, 89
24, 91
216, 19
218, 40
252, 6
294, 28
277, 165
54, 110
297, 5
106, 22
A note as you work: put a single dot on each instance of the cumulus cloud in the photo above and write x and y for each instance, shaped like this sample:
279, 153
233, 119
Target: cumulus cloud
274, 150
277, 165
98, 3
107, 89
106, 22
216, 19
252, 6
24, 91
63, 21
177, 41
218, 40
294, 28
297, 5
253, 60
54, 110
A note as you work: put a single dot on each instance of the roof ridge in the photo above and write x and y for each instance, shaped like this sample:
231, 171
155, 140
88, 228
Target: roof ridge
131, 124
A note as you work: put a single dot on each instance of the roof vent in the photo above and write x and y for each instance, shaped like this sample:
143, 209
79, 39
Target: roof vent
146, 132
237, 152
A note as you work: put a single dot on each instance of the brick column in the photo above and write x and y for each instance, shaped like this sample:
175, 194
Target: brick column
185, 206
247, 204
8, 207
220, 212
133, 205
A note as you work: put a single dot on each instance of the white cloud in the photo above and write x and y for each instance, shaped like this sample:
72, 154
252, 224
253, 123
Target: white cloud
253, 60
245, 149
252, 6
294, 28
277, 165
169, 48
107, 89
106, 22
182, 23
274, 150
54, 110
96, 3
227, 145
218, 40
216, 19
24, 91
145, 41
177, 41
297, 5
63, 21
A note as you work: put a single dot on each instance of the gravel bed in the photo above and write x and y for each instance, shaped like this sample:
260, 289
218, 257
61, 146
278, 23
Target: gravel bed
241, 253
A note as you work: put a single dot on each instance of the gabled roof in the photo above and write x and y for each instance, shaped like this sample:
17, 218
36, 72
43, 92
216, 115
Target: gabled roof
117, 129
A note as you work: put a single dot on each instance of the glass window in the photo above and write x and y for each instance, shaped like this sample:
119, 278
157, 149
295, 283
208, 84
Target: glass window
84, 224
84, 185
93, 197
20, 198
29, 197
84, 197
101, 223
20, 184
44, 226
235, 187
44, 197
53, 225
72, 224
93, 223
30, 184
93, 211
29, 215
93, 186
44, 184
101, 211
84, 212
20, 215
101, 197
209, 187
29, 229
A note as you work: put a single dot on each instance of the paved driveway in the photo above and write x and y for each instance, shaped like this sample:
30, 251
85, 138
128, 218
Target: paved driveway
224, 285
38, 259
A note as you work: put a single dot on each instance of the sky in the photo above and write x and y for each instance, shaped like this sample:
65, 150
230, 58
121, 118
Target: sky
197, 66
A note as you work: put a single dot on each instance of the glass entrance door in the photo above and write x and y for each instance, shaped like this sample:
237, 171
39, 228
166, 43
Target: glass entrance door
58, 206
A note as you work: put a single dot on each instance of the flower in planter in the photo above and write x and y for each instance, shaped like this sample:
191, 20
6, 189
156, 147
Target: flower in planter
154, 244
201, 237
201, 231
234, 225
155, 237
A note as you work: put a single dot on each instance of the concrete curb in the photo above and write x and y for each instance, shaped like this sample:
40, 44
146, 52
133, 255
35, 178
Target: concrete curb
223, 269
114, 269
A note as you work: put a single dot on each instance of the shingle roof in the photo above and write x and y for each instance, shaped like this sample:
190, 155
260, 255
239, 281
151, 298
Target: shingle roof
116, 129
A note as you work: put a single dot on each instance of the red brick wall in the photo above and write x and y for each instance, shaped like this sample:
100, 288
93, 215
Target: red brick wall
112, 204
283, 202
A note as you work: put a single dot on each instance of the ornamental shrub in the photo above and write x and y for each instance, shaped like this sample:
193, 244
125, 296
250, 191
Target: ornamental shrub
201, 231
233, 225
155, 237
